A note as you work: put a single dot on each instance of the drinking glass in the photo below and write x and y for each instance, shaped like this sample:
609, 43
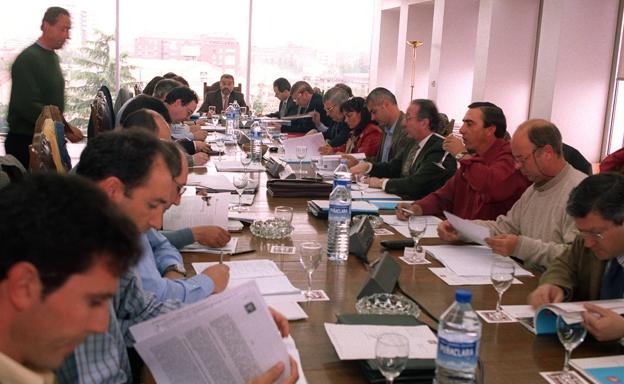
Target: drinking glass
243, 110
220, 148
417, 226
362, 181
244, 118
284, 213
245, 160
302, 151
570, 335
440, 164
211, 110
391, 352
502, 275
310, 257
240, 183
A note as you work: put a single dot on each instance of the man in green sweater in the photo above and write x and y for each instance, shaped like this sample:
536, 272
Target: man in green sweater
37, 81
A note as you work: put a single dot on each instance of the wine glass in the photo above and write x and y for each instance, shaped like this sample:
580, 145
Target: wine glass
284, 213
240, 183
440, 164
362, 181
245, 160
310, 257
244, 118
243, 110
570, 335
502, 275
213, 115
220, 148
391, 353
301, 151
417, 226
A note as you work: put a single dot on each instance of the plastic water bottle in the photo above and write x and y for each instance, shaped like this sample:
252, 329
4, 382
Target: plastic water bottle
236, 117
256, 142
459, 334
339, 221
342, 175
229, 121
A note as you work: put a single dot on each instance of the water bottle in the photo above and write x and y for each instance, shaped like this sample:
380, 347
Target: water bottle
459, 333
339, 220
229, 121
342, 175
236, 108
256, 142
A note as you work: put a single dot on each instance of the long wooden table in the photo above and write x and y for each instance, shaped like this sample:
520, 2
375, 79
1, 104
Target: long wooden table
508, 353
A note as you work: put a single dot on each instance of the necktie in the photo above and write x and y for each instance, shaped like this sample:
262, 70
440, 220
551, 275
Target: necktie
409, 160
612, 281
225, 102
282, 111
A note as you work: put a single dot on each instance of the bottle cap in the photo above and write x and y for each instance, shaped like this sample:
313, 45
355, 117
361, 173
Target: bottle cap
463, 296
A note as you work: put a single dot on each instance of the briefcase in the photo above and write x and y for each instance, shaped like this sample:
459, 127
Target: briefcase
298, 188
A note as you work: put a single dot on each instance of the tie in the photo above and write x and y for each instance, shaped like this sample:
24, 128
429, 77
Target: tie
282, 111
225, 103
612, 281
409, 160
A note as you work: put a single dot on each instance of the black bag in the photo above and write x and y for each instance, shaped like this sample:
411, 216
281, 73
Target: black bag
298, 188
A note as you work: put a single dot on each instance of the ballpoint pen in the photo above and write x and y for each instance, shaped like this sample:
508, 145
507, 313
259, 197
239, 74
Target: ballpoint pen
411, 213
221, 256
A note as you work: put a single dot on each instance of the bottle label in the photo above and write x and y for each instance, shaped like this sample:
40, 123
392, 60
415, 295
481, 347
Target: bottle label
339, 212
453, 354
344, 182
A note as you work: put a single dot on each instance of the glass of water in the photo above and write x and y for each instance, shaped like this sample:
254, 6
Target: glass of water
240, 183
571, 336
245, 160
391, 353
417, 226
310, 257
301, 151
502, 275
362, 181
285, 213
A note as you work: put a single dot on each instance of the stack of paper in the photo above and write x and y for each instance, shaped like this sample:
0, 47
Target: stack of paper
194, 211
236, 166
228, 249
371, 194
311, 142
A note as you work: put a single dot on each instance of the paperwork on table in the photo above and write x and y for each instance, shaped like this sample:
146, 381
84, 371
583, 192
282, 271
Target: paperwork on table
194, 211
228, 249
451, 278
468, 260
311, 142
371, 194
467, 229
237, 166
401, 225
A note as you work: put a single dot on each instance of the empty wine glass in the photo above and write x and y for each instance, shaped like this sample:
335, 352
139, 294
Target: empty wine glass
283, 212
213, 115
417, 226
220, 148
570, 335
244, 118
440, 164
362, 181
310, 257
243, 110
502, 275
391, 353
240, 183
245, 160
301, 151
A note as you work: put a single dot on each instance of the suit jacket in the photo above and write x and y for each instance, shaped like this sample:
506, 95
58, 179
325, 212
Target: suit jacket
291, 109
214, 98
399, 140
423, 176
337, 134
304, 125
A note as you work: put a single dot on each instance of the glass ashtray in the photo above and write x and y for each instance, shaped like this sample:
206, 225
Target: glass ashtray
387, 304
271, 228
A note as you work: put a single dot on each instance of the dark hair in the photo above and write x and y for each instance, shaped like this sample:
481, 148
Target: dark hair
282, 84
149, 87
177, 152
141, 119
345, 87
182, 93
428, 110
602, 193
181, 80
169, 75
492, 115
378, 94
63, 225
301, 86
226, 76
51, 15
128, 155
164, 86
358, 105
542, 132
148, 102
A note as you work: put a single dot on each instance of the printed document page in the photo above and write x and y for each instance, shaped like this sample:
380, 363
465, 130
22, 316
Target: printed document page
468, 260
311, 142
468, 229
194, 211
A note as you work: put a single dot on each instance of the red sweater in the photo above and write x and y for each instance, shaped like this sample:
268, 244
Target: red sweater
482, 188
367, 142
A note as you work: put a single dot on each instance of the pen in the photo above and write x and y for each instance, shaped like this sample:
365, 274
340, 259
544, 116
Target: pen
411, 213
243, 252
221, 256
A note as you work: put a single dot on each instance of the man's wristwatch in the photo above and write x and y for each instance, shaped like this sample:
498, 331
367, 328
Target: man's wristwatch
460, 155
175, 268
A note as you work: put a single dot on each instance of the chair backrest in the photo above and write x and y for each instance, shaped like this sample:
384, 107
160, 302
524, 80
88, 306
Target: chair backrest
11, 170
215, 87
123, 96
137, 89
48, 151
101, 118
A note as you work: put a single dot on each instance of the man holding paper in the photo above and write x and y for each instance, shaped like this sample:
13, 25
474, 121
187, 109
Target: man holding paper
537, 228
591, 268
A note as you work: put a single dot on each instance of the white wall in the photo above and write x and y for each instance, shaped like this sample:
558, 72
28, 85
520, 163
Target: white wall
387, 48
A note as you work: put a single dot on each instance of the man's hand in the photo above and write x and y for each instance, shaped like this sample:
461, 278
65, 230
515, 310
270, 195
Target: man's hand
351, 160
603, 323
200, 135
545, 294
220, 275
375, 182
200, 158
358, 168
453, 145
201, 146
211, 236
280, 321
446, 232
326, 150
275, 372
504, 244
402, 215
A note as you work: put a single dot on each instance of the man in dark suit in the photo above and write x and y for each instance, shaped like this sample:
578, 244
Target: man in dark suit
224, 96
383, 107
412, 173
287, 106
308, 101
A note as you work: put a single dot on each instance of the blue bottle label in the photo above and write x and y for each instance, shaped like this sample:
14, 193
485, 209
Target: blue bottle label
346, 183
339, 212
457, 354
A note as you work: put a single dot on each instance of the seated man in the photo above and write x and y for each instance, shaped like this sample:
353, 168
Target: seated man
591, 269
308, 101
383, 107
180, 130
287, 107
537, 228
487, 183
58, 276
338, 132
222, 98
181, 103
413, 174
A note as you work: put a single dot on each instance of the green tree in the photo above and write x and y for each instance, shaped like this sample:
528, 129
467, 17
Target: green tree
92, 67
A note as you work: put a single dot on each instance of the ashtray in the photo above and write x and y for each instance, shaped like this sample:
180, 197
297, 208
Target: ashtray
387, 304
271, 228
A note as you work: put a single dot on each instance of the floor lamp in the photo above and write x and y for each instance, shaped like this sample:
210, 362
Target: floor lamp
414, 44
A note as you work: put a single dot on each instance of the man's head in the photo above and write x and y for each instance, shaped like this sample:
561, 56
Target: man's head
180, 180
597, 206
332, 100
149, 87
181, 103
345, 87
483, 123
55, 26
421, 115
147, 102
226, 84
150, 120
301, 93
383, 106
64, 246
136, 171
537, 149
165, 86
281, 87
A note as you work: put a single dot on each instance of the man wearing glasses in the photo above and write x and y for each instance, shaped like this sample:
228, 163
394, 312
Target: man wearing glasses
536, 229
591, 269
338, 132
308, 101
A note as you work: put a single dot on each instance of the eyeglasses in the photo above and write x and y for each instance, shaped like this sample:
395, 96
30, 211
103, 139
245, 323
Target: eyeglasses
596, 236
408, 117
523, 159
330, 108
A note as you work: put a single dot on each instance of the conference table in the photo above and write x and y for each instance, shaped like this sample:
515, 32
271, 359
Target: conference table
509, 353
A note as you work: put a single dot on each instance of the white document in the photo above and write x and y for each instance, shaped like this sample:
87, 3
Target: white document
519, 311
289, 342
194, 211
290, 309
451, 278
245, 199
311, 142
328, 163
237, 166
468, 260
228, 249
401, 226
357, 342
228, 338
211, 181
372, 194
467, 229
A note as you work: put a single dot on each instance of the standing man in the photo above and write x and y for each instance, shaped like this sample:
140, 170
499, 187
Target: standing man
37, 81
382, 105
224, 96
